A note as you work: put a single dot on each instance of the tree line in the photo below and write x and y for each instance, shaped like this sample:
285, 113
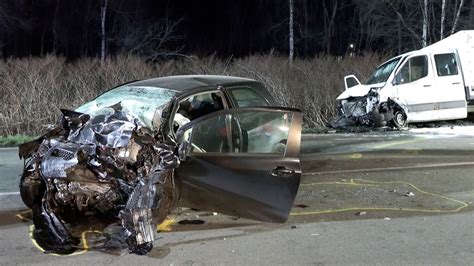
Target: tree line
160, 29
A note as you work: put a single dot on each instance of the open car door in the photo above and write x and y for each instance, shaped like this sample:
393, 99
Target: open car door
242, 162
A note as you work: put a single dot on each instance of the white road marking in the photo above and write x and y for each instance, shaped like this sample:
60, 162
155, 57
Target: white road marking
9, 193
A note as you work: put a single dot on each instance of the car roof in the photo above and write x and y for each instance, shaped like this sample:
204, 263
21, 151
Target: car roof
190, 82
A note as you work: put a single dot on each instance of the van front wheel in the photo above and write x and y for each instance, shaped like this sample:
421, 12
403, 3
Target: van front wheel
399, 119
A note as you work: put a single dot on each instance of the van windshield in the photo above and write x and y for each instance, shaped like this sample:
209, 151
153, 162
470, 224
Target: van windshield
382, 73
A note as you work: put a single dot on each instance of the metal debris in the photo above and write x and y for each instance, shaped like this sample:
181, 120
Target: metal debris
367, 112
109, 164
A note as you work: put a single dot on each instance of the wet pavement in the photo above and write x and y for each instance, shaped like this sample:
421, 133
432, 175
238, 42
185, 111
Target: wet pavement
411, 180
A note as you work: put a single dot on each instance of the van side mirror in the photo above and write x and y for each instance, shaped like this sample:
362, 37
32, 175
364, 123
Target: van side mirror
397, 80
351, 81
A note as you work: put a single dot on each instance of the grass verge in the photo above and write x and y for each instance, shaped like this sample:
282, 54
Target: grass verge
15, 140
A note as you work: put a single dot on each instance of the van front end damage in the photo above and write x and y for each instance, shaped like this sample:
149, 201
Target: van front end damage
108, 165
369, 111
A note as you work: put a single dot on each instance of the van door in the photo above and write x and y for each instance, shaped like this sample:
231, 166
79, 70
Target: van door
449, 82
415, 88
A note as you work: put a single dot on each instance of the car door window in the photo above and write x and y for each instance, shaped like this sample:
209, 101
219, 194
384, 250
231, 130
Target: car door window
196, 106
245, 132
414, 69
446, 64
247, 97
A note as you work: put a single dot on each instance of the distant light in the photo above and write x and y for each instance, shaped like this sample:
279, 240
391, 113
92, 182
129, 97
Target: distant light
351, 46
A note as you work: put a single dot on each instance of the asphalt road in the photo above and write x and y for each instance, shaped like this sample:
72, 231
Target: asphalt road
371, 198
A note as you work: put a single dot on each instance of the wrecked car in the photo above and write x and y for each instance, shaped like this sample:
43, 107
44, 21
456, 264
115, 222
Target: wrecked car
432, 84
141, 149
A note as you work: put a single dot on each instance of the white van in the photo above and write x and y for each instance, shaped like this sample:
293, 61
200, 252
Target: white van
431, 84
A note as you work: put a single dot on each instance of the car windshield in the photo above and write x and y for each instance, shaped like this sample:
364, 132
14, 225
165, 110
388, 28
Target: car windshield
139, 102
382, 73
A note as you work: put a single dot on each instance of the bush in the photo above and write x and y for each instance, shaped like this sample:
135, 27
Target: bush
33, 90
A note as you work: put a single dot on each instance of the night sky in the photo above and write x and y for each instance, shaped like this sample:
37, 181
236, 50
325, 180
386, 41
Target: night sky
72, 28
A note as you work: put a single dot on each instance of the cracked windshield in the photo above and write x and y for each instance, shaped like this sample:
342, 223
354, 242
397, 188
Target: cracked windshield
284, 132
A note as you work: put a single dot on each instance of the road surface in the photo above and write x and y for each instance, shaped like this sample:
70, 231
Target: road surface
378, 197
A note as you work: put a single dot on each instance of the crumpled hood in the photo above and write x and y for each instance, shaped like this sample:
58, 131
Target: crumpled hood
359, 90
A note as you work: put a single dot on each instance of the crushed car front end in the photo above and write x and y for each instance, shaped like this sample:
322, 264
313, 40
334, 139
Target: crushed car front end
103, 163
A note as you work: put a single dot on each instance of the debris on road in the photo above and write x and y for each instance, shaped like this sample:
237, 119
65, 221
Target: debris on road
410, 194
191, 222
303, 206
361, 213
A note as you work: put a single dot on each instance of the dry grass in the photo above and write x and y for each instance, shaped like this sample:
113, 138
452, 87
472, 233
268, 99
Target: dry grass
32, 90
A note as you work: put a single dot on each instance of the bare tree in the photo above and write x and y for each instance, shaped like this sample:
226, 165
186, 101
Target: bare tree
154, 40
291, 35
55, 18
456, 18
103, 15
13, 19
407, 25
329, 23
443, 19
424, 37
471, 14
